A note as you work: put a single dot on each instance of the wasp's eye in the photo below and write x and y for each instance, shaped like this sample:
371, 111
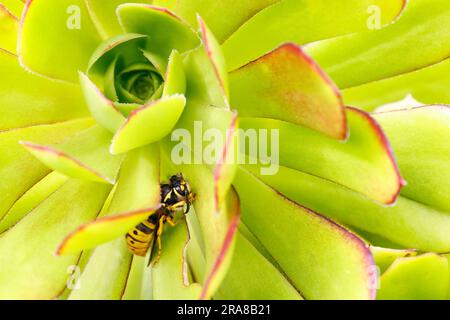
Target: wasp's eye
179, 189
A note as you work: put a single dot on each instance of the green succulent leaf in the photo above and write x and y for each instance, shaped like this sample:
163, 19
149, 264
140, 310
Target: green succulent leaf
136, 277
302, 22
32, 198
198, 120
148, 124
136, 196
407, 223
170, 276
30, 100
83, 156
207, 78
448, 260
14, 6
106, 273
128, 46
363, 163
215, 56
287, 85
71, 34
9, 25
175, 78
354, 59
385, 257
165, 30
299, 240
262, 279
217, 225
13, 157
224, 17
420, 138
103, 15
25, 252
424, 277
428, 85
102, 109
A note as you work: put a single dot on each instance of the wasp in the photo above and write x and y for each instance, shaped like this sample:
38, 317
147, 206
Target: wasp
176, 196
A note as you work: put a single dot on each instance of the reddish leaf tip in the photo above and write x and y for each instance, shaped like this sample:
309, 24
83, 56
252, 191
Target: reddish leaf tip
229, 237
382, 138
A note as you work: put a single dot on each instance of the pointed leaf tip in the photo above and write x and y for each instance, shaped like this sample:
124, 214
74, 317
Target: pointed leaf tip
101, 230
64, 163
148, 124
286, 84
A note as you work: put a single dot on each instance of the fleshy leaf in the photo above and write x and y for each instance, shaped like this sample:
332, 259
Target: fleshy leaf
105, 275
420, 138
223, 16
428, 85
170, 279
225, 169
103, 15
207, 79
14, 6
135, 281
287, 85
363, 163
253, 277
148, 124
303, 249
219, 258
9, 25
165, 29
32, 198
384, 257
64, 46
220, 154
215, 56
407, 223
354, 59
218, 228
125, 45
83, 156
424, 277
30, 100
175, 80
102, 109
303, 22
136, 196
23, 251
13, 158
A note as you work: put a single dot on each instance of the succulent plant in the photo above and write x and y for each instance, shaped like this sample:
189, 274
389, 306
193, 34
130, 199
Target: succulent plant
101, 99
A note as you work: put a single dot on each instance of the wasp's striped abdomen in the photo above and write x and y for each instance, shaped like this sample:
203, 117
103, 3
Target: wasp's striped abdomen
140, 238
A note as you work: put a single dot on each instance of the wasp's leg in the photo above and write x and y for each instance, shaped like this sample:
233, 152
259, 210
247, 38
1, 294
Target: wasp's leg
177, 205
159, 233
172, 222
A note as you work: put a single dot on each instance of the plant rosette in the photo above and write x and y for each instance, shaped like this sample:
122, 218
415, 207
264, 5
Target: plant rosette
110, 99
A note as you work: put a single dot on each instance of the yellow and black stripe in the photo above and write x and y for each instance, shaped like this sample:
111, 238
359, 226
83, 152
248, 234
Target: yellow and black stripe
141, 237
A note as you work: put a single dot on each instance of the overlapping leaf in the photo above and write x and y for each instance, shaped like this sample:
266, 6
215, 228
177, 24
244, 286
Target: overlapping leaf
30, 270
14, 157
287, 85
303, 249
363, 163
354, 59
303, 22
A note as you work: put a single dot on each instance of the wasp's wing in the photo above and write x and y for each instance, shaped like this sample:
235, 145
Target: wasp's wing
155, 253
151, 251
